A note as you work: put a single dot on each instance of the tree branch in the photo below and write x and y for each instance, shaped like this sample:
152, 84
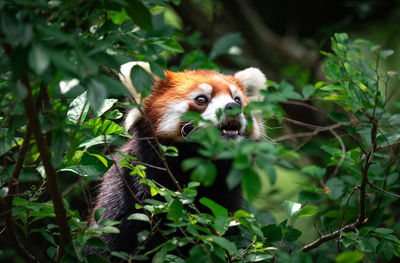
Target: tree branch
317, 129
344, 213
382, 190
332, 235
51, 174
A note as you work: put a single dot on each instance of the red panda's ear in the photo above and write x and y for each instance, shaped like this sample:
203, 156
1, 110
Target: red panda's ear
125, 76
253, 81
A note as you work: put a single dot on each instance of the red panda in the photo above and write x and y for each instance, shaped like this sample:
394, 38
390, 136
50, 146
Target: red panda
202, 91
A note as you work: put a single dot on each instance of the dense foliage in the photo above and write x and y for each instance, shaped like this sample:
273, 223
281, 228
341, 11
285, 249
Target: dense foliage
61, 120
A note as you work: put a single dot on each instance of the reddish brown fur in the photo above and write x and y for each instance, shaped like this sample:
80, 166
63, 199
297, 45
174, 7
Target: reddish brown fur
179, 85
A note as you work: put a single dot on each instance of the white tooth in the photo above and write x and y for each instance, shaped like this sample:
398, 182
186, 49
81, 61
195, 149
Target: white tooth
236, 132
224, 131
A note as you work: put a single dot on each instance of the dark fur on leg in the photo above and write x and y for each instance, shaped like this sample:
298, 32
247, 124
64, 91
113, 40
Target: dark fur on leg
119, 203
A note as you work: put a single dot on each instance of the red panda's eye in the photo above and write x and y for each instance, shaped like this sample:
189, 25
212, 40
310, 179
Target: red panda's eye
237, 100
201, 100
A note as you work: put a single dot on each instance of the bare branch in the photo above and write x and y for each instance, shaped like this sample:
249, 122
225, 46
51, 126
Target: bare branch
317, 129
343, 147
335, 234
344, 212
382, 190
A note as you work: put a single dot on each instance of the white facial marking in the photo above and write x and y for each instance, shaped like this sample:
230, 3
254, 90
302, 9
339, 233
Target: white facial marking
233, 89
216, 103
202, 89
172, 116
236, 93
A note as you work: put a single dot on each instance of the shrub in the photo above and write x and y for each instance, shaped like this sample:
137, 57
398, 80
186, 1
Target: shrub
60, 119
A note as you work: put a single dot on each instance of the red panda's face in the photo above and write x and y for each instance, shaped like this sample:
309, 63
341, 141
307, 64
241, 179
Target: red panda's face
216, 97
209, 93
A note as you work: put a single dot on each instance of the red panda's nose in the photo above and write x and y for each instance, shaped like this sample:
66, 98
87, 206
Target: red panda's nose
233, 109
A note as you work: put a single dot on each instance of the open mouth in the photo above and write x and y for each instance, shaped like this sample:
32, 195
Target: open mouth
229, 129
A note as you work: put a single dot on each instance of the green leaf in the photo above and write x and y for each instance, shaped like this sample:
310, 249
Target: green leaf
175, 211
336, 187
215, 208
256, 257
251, 185
100, 158
306, 211
38, 59
169, 44
98, 213
291, 208
139, 14
139, 217
47, 236
159, 257
107, 104
103, 127
113, 114
292, 234
118, 17
96, 94
101, 139
233, 179
140, 79
386, 53
204, 173
50, 251
387, 139
223, 44
77, 108
338, 117
97, 242
307, 91
309, 196
272, 233
157, 70
190, 163
221, 223
86, 170
198, 254
143, 235
349, 257
3, 192
225, 244
314, 171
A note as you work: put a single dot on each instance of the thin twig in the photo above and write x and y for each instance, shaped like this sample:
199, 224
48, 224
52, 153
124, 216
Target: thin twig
316, 228
332, 235
317, 129
343, 147
148, 165
303, 104
365, 168
382, 190
160, 151
344, 213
